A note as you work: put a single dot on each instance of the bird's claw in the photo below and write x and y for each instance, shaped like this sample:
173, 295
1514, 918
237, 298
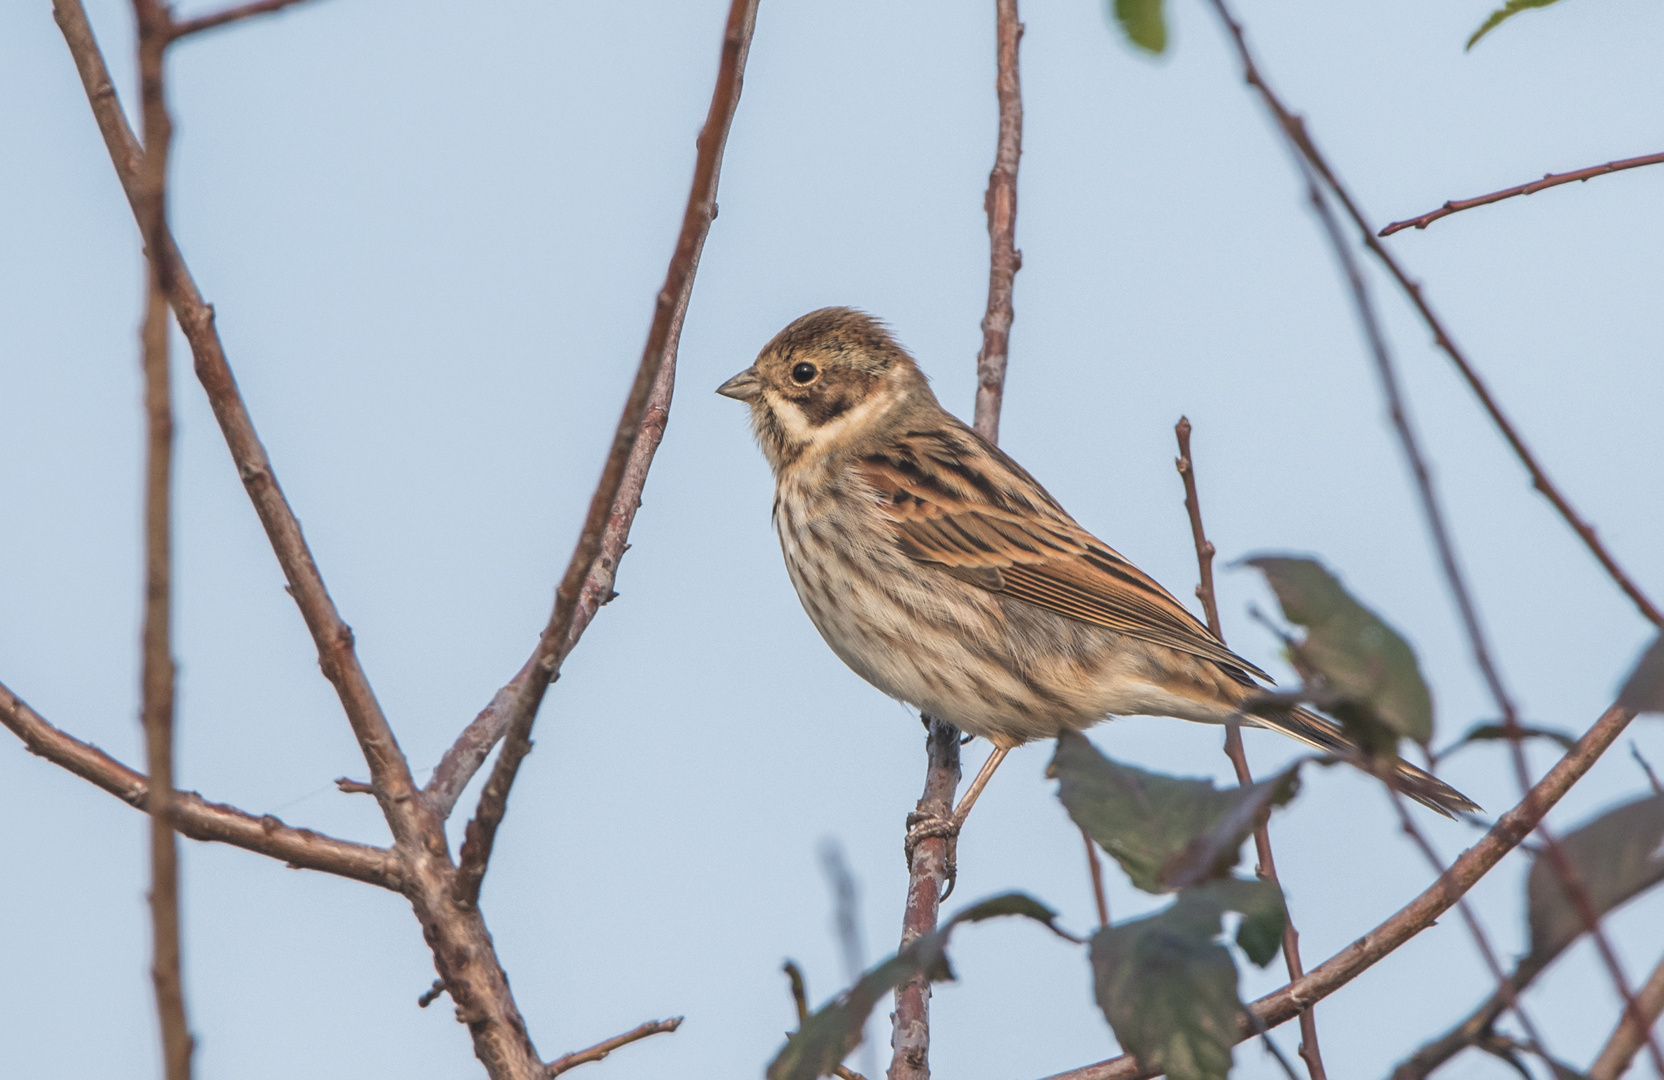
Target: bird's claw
921, 827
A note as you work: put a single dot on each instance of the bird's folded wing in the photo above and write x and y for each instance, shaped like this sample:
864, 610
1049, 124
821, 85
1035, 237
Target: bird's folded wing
1040, 558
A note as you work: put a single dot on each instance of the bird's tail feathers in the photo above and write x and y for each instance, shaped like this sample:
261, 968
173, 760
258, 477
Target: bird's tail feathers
1306, 726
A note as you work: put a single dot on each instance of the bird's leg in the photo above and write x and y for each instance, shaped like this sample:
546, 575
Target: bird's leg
924, 826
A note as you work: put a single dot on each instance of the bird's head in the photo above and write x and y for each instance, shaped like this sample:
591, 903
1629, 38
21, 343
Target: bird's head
831, 378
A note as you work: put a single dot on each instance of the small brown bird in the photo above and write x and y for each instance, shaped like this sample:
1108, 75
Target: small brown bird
946, 576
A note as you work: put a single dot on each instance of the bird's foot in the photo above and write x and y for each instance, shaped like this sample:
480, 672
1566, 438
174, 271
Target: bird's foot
922, 827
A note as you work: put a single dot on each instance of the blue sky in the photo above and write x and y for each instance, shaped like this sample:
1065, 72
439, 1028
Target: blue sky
433, 234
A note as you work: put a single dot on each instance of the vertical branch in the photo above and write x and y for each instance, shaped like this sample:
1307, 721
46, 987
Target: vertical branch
1309, 1051
1004, 260
929, 863
927, 876
158, 671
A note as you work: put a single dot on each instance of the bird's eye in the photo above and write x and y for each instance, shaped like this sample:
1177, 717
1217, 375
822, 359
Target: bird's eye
804, 373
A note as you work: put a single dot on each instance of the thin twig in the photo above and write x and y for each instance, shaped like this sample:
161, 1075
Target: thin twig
1646, 767
158, 674
481, 832
1473, 1030
193, 815
1456, 206
930, 862
229, 15
1614, 1058
1000, 202
1309, 1050
1312, 165
1293, 128
602, 1049
1510, 829
1096, 867
846, 924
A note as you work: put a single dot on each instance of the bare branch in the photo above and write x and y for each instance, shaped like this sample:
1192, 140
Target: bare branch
930, 861
388, 769
661, 343
602, 1049
1456, 206
1312, 165
1294, 129
1004, 260
193, 815
1620, 1048
158, 672
229, 15
1309, 1050
928, 872
464, 758
1510, 829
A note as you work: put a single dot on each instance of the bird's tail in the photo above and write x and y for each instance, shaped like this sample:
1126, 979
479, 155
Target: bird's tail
1327, 736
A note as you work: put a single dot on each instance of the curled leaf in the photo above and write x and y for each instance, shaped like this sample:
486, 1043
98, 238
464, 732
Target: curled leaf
1367, 671
1502, 14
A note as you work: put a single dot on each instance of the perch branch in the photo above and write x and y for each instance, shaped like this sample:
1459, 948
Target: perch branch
1456, 206
187, 27
1309, 1050
602, 1049
481, 832
930, 861
1510, 829
1293, 128
193, 815
1000, 202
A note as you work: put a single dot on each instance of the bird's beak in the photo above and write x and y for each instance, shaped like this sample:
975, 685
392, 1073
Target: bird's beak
742, 387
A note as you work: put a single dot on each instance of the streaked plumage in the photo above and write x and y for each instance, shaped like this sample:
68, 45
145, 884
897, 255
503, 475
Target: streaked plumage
945, 575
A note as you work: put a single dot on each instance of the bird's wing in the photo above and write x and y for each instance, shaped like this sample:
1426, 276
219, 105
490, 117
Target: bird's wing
1003, 533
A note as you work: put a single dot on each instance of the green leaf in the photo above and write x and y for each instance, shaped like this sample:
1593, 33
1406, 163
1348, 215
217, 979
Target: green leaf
1502, 14
1260, 903
1499, 732
833, 1032
1143, 23
1616, 857
1166, 832
1354, 656
1644, 689
1169, 992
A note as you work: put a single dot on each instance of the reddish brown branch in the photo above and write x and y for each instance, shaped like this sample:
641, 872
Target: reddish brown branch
1456, 206
464, 758
1096, 867
557, 637
1313, 165
192, 814
1004, 260
602, 1049
928, 873
1309, 1050
1294, 129
158, 672
1614, 1058
930, 860
229, 15
1474, 863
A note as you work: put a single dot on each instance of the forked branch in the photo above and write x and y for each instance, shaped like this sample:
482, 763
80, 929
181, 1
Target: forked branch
661, 343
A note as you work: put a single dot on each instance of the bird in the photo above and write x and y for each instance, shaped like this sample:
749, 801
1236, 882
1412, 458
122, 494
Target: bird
946, 576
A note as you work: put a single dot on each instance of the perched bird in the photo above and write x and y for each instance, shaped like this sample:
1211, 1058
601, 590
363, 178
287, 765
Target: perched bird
945, 575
